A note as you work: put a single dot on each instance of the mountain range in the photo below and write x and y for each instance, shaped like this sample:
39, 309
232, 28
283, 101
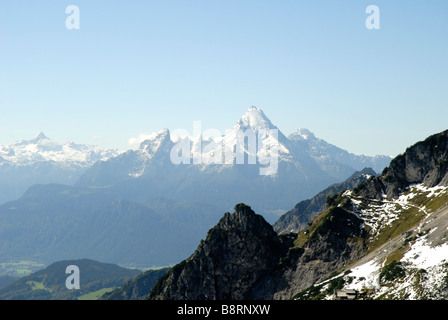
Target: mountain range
386, 238
41, 161
139, 208
306, 165
372, 236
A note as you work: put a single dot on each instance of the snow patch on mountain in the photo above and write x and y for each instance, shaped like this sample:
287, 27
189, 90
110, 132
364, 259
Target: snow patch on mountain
424, 255
420, 254
425, 276
378, 214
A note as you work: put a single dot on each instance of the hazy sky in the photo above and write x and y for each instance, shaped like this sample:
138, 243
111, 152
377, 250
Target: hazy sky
138, 66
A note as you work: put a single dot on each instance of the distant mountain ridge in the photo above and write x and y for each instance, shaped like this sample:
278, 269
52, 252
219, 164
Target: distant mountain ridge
327, 154
305, 162
42, 160
43, 149
139, 208
305, 167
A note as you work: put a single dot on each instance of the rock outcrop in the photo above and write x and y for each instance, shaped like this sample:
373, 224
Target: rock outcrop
243, 258
236, 253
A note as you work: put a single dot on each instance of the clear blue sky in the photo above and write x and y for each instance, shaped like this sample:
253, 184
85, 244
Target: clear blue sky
138, 66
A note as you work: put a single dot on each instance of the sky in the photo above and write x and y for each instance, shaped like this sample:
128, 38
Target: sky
137, 66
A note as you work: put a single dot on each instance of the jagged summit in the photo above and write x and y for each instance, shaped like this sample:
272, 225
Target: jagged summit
243, 218
155, 141
205, 169
242, 209
254, 119
42, 160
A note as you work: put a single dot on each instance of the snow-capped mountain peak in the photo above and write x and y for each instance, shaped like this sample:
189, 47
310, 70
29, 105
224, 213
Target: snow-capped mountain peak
254, 119
156, 141
302, 134
300, 147
43, 149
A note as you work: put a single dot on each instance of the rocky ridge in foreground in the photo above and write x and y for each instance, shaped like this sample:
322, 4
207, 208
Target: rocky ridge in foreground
385, 238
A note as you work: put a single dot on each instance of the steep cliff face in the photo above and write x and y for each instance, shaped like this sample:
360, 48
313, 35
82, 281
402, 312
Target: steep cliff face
236, 253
